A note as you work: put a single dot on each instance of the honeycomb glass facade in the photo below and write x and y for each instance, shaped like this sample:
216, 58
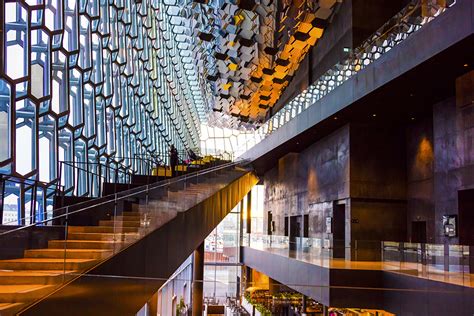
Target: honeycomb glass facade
90, 84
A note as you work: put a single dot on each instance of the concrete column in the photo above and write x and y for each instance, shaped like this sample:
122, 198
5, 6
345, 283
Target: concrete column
198, 277
249, 213
303, 304
248, 276
153, 305
241, 231
325, 310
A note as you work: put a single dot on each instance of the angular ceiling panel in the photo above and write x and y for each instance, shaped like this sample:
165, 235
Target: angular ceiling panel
241, 54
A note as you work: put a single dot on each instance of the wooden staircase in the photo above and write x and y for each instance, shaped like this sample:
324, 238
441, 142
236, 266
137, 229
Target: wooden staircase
41, 271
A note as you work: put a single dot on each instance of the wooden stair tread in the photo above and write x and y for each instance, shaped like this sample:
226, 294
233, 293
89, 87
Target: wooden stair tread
9, 289
86, 241
47, 260
80, 229
67, 250
104, 234
6, 306
23, 273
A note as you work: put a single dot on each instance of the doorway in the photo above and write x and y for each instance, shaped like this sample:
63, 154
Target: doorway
418, 232
269, 223
306, 226
466, 217
295, 231
339, 230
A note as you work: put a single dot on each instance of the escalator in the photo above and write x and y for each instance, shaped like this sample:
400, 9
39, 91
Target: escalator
112, 263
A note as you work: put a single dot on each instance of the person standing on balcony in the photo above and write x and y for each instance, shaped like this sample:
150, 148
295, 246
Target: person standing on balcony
173, 160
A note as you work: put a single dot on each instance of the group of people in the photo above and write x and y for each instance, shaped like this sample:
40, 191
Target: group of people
174, 158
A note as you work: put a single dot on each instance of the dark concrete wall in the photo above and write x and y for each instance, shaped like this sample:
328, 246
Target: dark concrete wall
377, 161
453, 126
377, 220
363, 163
377, 186
369, 15
308, 182
420, 167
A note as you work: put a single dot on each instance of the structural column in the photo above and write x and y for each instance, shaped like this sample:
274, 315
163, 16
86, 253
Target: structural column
153, 305
303, 305
198, 280
249, 213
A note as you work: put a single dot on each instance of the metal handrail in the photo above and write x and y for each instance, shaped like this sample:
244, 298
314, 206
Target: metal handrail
31, 184
20, 179
127, 173
129, 193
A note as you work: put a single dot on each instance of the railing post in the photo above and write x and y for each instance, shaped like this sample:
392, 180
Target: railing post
60, 173
114, 219
66, 224
2, 190
100, 180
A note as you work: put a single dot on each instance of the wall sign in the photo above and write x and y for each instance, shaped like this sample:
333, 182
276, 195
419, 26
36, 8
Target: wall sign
328, 225
449, 225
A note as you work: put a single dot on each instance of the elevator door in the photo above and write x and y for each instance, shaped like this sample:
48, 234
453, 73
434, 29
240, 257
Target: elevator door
466, 217
295, 231
339, 230
269, 223
418, 232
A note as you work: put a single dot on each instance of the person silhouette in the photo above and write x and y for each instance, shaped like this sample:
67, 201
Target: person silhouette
173, 160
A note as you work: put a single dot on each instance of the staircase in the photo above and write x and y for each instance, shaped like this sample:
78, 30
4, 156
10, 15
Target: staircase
42, 271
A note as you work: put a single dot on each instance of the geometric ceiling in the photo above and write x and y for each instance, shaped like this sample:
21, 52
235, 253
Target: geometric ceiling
239, 56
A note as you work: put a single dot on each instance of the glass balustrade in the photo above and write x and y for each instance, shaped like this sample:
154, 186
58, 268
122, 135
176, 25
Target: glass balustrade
446, 263
38, 257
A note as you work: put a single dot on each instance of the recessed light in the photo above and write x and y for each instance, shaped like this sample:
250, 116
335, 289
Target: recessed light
335, 117
374, 115
466, 65
412, 118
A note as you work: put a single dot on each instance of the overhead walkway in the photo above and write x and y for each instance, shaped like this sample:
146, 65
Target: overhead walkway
114, 265
380, 275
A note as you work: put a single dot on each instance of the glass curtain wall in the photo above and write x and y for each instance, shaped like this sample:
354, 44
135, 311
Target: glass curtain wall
221, 259
88, 83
